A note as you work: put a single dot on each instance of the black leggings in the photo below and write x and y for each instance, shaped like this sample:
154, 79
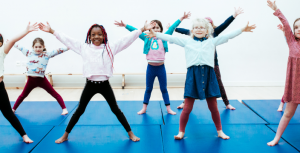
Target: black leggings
6, 110
90, 89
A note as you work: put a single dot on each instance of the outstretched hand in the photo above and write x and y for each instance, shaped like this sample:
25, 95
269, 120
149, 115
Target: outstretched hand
120, 24
45, 28
185, 16
151, 34
249, 28
34, 27
272, 5
237, 12
149, 26
280, 27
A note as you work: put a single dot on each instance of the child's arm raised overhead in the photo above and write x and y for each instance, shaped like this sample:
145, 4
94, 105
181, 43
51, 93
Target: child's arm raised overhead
176, 40
287, 29
129, 28
224, 38
227, 22
71, 43
176, 24
127, 40
12, 41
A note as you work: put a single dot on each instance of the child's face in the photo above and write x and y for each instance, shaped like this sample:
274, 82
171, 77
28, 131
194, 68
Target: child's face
97, 36
1, 44
38, 48
297, 29
156, 28
199, 31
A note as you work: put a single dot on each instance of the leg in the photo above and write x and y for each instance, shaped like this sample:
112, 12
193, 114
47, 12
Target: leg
285, 119
150, 76
5, 108
88, 92
184, 117
47, 86
213, 107
30, 85
222, 89
108, 94
162, 78
281, 105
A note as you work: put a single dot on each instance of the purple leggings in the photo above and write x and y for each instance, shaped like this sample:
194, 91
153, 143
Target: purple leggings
32, 83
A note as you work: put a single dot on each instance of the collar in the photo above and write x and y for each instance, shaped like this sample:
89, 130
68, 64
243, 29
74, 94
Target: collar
200, 39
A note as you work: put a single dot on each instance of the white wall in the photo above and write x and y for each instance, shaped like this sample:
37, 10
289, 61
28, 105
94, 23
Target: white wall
251, 59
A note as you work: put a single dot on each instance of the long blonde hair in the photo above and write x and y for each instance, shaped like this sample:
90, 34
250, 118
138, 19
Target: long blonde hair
206, 24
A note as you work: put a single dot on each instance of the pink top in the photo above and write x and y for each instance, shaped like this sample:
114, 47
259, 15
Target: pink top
157, 51
292, 84
97, 65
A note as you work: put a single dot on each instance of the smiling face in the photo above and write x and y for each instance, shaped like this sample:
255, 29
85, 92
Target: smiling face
297, 28
199, 30
96, 36
38, 48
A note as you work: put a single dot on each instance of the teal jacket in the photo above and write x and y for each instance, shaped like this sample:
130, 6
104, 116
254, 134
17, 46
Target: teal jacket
147, 41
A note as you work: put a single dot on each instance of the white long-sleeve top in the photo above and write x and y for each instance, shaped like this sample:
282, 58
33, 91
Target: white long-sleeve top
197, 52
97, 65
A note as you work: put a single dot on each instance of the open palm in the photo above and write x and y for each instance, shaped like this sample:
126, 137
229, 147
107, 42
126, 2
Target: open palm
150, 25
249, 28
185, 16
34, 27
151, 34
120, 24
45, 28
272, 5
238, 12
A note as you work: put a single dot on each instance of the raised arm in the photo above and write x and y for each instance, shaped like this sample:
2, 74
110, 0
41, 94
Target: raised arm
183, 31
228, 21
56, 52
171, 29
71, 43
22, 49
224, 38
176, 40
13, 40
287, 29
126, 41
130, 28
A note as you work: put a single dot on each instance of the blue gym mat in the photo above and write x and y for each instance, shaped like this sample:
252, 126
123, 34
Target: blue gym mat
267, 109
99, 113
203, 138
12, 142
40, 113
201, 114
103, 139
291, 134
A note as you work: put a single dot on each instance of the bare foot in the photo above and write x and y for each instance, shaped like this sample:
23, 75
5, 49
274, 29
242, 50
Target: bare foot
133, 137
222, 135
63, 138
179, 136
64, 112
170, 110
180, 106
230, 107
26, 139
280, 107
143, 109
13, 110
272, 143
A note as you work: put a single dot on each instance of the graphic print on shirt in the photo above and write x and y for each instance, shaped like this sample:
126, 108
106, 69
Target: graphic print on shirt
154, 45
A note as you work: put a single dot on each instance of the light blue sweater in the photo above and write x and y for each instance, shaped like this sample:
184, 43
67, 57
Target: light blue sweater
196, 52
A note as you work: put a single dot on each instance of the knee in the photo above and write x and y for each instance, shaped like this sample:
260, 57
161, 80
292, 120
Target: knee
288, 114
163, 89
149, 89
116, 110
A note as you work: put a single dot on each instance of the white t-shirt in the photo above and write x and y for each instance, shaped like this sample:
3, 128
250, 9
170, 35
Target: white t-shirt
2, 56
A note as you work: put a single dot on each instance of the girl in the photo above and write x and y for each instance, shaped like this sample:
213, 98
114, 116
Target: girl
155, 54
291, 93
36, 66
217, 31
5, 103
201, 82
98, 56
